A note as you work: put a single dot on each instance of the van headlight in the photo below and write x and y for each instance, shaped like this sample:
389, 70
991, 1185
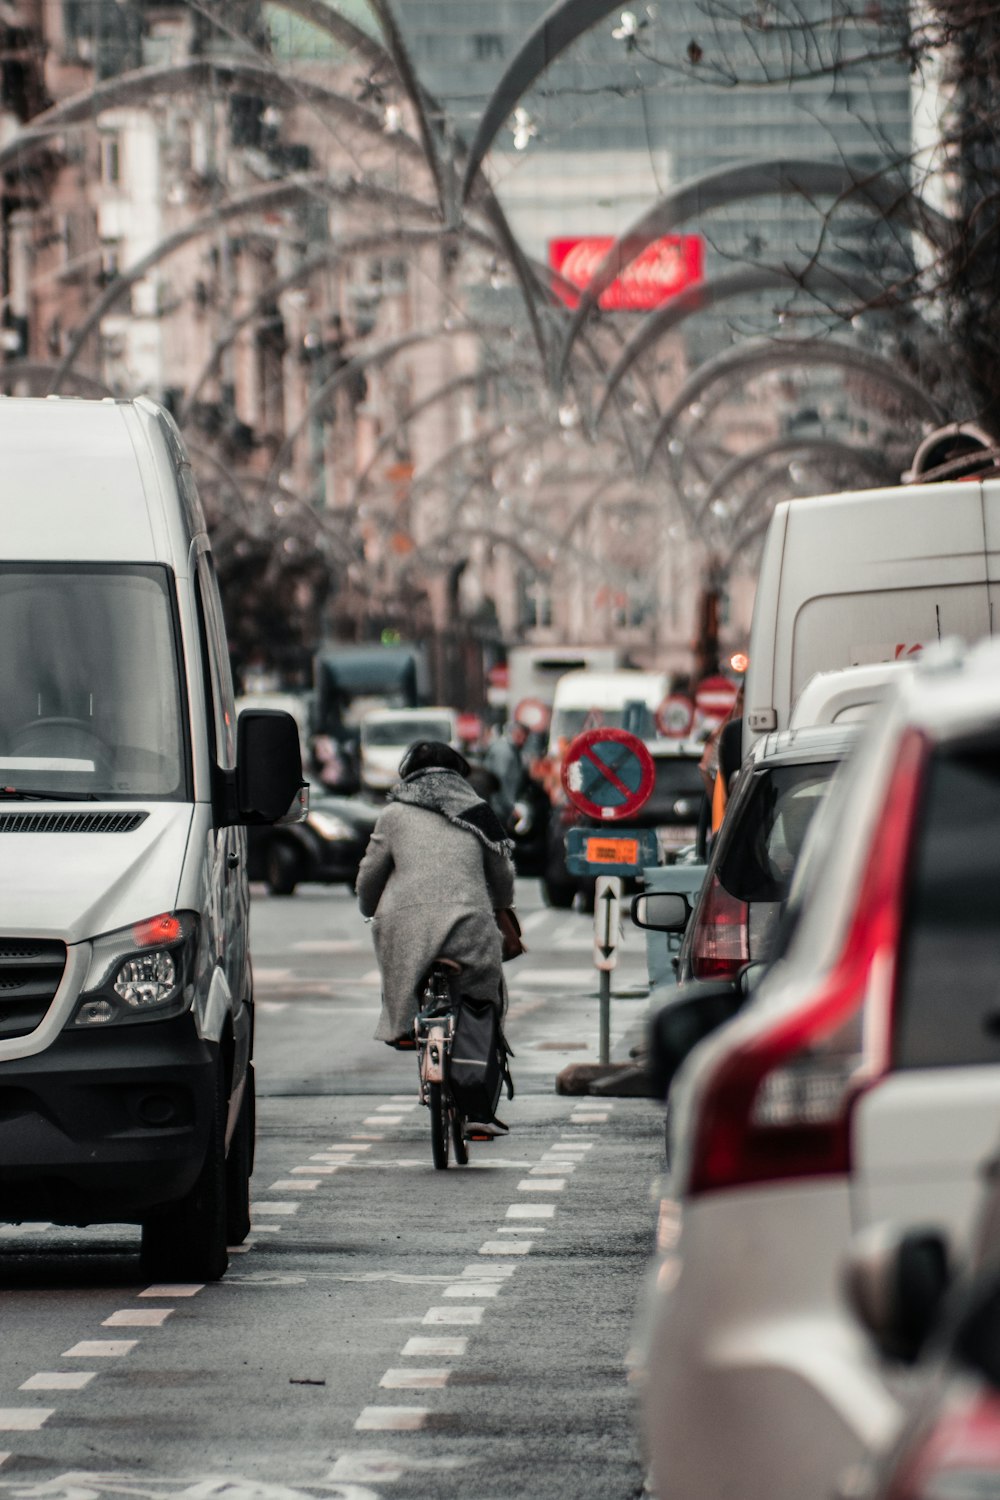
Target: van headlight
140, 973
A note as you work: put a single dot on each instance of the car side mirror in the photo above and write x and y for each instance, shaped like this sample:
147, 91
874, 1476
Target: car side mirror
269, 783
896, 1282
693, 1013
661, 911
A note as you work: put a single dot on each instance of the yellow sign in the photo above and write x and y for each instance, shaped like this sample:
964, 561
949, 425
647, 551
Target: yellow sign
604, 851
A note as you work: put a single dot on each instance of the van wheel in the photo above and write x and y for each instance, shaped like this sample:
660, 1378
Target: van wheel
558, 894
186, 1241
282, 868
239, 1165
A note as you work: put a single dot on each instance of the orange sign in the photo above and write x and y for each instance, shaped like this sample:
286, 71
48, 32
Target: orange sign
601, 851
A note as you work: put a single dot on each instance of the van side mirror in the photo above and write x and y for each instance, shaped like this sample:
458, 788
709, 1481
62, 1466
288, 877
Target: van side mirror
896, 1282
661, 911
269, 783
694, 1012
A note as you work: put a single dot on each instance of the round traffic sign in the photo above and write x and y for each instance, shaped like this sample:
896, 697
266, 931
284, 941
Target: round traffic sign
675, 716
607, 773
714, 697
533, 714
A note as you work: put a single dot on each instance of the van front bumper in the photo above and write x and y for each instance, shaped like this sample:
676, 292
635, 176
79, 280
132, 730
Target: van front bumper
104, 1126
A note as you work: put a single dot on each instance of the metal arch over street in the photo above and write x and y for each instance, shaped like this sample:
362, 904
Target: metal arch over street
864, 459
816, 280
143, 84
258, 200
764, 353
558, 29
861, 183
375, 354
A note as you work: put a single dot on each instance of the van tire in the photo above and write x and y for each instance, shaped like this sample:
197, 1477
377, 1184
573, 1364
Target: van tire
282, 868
239, 1166
186, 1240
558, 893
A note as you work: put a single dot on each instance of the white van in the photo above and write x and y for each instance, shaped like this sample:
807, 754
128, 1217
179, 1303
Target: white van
594, 700
126, 1006
386, 734
872, 576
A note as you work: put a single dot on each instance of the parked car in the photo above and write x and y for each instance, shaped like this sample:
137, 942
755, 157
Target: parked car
387, 732
730, 922
862, 1083
942, 1326
328, 847
673, 809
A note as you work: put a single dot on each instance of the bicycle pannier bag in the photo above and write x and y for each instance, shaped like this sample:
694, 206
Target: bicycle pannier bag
478, 1064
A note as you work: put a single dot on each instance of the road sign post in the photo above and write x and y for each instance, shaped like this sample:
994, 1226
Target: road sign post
607, 896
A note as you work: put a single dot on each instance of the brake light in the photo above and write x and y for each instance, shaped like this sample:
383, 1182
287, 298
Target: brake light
721, 941
959, 1455
779, 1105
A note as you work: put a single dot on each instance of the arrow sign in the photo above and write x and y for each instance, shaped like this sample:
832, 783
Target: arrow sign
607, 773
607, 895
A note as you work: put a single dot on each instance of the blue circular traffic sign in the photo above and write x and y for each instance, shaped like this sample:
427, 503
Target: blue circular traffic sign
607, 773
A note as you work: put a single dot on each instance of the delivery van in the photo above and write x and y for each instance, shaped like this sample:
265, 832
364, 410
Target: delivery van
593, 700
126, 1003
870, 576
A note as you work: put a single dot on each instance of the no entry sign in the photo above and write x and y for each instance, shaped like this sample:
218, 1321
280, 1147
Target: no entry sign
714, 697
607, 773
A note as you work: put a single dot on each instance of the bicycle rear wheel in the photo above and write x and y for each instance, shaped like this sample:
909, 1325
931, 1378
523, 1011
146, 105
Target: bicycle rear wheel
440, 1132
458, 1140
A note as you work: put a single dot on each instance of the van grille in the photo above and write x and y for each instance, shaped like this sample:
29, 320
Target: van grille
71, 822
30, 971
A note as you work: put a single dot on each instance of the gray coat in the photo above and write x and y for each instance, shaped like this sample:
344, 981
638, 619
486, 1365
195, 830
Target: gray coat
432, 889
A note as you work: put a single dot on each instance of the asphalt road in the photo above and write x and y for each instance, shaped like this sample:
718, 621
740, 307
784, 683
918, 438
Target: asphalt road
388, 1330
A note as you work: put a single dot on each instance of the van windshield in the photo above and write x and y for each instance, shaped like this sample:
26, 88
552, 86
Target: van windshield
567, 723
401, 732
89, 686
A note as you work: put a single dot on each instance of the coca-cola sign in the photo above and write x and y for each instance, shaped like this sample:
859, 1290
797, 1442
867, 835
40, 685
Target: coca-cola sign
663, 269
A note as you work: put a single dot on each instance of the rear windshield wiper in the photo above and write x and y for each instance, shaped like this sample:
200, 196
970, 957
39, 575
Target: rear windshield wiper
46, 794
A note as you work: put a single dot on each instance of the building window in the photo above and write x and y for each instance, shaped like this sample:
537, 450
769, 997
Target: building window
109, 160
487, 44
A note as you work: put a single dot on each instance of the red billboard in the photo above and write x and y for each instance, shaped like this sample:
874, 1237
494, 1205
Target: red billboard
664, 268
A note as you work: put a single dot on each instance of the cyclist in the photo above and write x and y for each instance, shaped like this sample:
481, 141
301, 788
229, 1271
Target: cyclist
436, 871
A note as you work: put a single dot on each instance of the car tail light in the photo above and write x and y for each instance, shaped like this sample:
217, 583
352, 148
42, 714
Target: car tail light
959, 1455
721, 940
778, 1105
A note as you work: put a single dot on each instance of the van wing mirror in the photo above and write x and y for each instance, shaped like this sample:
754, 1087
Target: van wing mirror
661, 911
693, 1013
896, 1282
269, 783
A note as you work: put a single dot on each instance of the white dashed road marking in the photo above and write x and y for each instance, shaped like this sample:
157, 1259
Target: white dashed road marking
24, 1418
392, 1419
275, 1208
549, 1185
414, 1380
138, 1317
531, 1211
442, 1346
59, 1380
167, 1289
453, 1315
100, 1349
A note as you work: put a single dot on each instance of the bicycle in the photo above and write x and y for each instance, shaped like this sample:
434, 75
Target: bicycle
434, 1030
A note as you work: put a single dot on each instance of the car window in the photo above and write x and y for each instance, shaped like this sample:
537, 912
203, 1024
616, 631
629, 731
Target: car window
763, 847
948, 995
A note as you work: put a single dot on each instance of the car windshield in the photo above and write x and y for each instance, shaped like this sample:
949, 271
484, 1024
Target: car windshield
89, 687
403, 732
764, 845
